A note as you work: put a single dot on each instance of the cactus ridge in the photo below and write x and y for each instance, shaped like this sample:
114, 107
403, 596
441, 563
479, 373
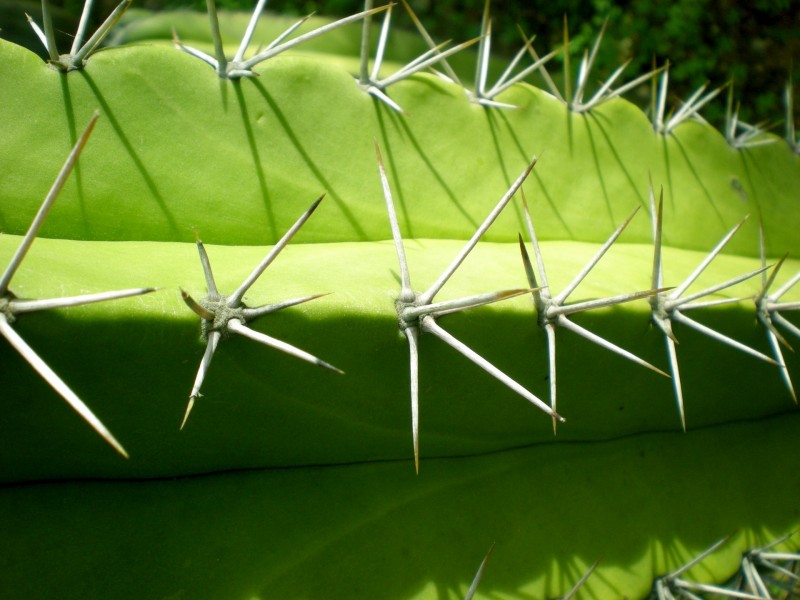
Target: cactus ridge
257, 148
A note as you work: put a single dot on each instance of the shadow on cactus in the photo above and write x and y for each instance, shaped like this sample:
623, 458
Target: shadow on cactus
675, 480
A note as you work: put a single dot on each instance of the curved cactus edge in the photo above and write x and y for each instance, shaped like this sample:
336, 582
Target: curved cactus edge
734, 141
739, 134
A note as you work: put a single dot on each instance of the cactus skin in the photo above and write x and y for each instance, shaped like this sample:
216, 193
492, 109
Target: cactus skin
326, 528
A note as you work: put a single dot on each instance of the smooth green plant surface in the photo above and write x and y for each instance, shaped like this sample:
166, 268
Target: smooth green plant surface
644, 505
263, 158
303, 482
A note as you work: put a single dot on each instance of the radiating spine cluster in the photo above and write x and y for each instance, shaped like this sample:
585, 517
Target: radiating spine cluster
80, 51
762, 573
223, 315
11, 306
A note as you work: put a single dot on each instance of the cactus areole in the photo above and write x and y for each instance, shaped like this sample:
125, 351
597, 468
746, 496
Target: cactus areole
557, 327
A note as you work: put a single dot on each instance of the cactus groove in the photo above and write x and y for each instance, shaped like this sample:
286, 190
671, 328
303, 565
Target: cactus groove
289, 481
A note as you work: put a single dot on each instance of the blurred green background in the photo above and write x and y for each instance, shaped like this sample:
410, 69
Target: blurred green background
750, 42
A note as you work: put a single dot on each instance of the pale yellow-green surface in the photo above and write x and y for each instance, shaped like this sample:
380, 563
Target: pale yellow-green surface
178, 148
134, 360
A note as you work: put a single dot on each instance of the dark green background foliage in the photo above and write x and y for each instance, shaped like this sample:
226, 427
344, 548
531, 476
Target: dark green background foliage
752, 42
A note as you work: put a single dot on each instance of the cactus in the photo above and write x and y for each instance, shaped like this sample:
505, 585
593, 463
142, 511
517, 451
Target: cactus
642, 451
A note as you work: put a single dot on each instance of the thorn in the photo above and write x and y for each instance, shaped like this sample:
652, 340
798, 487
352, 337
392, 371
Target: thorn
595, 259
526, 261
587, 64
592, 337
786, 287
412, 335
253, 313
211, 286
55, 382
676, 378
534, 242
678, 302
26, 306
581, 581
587, 305
681, 318
380, 95
237, 326
767, 281
657, 218
248, 34
700, 557
198, 309
550, 331
275, 50
235, 299
447, 307
406, 293
477, 579
47, 22
430, 325
47, 204
711, 256
567, 70
205, 363
188, 410
428, 296
451, 74
542, 69
79, 56
39, 33
422, 62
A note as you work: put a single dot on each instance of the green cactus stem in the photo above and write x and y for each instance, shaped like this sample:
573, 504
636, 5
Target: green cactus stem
292, 482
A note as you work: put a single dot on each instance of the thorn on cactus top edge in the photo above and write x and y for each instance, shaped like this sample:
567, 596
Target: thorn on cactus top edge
240, 66
80, 51
370, 80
